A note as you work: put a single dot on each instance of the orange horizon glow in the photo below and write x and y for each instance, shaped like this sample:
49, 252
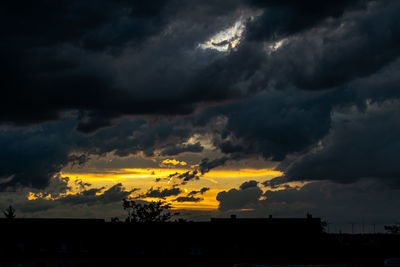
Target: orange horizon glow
217, 180
153, 172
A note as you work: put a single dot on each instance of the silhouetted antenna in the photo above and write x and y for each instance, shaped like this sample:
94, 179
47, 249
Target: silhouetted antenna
327, 226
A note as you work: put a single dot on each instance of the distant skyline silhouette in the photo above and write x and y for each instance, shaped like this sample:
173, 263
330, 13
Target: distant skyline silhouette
220, 242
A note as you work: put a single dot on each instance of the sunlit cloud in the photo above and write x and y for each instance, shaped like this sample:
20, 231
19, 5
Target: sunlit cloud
173, 162
274, 46
225, 39
204, 140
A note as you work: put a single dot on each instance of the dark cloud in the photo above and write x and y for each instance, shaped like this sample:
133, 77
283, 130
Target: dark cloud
81, 184
359, 145
113, 194
236, 199
367, 200
275, 182
354, 47
287, 17
173, 150
92, 191
274, 123
78, 160
192, 193
204, 189
57, 186
89, 27
186, 176
56, 198
307, 56
201, 191
104, 64
206, 164
161, 193
103, 58
248, 184
31, 157
188, 199
53, 202
133, 136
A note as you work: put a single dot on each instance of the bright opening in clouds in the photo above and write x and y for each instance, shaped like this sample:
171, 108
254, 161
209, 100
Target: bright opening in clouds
225, 39
274, 46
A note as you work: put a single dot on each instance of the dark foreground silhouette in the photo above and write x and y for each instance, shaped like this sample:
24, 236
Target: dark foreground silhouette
220, 242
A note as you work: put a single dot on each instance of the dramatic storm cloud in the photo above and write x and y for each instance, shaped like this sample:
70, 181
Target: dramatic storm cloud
367, 200
104, 58
129, 88
357, 147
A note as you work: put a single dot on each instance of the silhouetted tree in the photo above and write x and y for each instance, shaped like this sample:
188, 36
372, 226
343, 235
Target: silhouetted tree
9, 212
393, 229
115, 220
147, 212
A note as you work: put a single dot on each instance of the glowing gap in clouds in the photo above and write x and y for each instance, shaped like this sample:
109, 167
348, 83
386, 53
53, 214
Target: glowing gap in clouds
226, 39
152, 173
217, 180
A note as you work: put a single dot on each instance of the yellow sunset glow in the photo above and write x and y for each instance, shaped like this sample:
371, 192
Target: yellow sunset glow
145, 178
208, 201
139, 173
242, 173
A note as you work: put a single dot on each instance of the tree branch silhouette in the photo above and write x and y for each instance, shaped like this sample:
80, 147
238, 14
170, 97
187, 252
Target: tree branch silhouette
393, 229
147, 212
9, 212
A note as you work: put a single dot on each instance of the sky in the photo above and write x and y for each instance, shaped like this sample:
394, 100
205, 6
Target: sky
243, 107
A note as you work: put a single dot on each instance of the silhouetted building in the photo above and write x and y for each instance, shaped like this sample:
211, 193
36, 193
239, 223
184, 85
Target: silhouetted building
221, 242
282, 226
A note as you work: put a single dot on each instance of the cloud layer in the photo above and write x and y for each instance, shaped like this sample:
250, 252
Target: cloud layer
310, 85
